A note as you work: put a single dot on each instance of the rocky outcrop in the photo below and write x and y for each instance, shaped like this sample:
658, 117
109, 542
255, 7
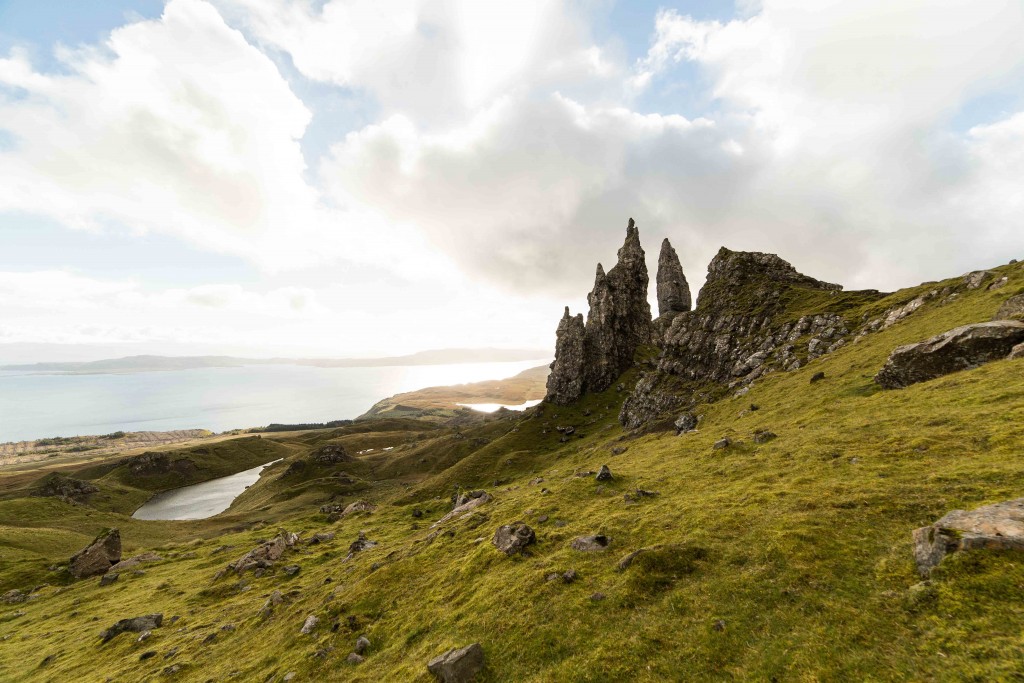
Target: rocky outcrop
1011, 308
738, 331
153, 464
459, 665
961, 348
513, 538
56, 485
992, 527
618, 323
565, 383
673, 290
263, 555
141, 624
97, 557
331, 454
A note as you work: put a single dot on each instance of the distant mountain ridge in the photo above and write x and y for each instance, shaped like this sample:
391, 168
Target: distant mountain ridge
151, 363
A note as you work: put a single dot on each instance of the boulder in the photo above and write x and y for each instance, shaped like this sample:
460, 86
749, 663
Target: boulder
362, 645
722, 444
590, 543
961, 348
459, 665
1017, 352
147, 622
97, 557
1011, 308
513, 538
265, 554
977, 278
309, 625
604, 474
763, 436
991, 527
467, 506
686, 422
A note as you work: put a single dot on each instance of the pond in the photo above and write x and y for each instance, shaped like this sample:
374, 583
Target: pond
200, 501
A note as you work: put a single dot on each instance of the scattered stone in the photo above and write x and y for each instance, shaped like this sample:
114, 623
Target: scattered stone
98, 556
288, 677
292, 570
542, 519
590, 543
357, 507
309, 625
554, 576
627, 560
719, 625
148, 654
998, 284
264, 555
1011, 308
560, 523
976, 279
48, 659
147, 622
961, 348
513, 538
13, 597
1017, 352
990, 527
465, 504
362, 644
135, 561
359, 545
172, 669
619, 450
604, 474
320, 537
144, 636
417, 513
459, 665
722, 443
763, 436
354, 658
273, 601
687, 422
817, 377
108, 579
569, 576
597, 597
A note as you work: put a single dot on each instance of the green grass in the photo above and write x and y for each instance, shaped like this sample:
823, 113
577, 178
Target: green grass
801, 546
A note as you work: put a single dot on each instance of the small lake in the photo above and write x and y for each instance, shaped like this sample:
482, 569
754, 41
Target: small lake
199, 501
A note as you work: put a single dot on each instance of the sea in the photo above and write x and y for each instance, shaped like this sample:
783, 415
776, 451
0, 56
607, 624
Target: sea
34, 406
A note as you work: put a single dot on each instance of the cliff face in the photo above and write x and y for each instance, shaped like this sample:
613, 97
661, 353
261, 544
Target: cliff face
738, 331
619, 322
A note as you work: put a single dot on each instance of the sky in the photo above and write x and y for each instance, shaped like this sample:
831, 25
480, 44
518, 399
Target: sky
362, 178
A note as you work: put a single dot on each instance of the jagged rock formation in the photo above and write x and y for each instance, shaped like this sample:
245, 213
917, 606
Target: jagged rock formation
565, 383
961, 348
57, 485
618, 323
736, 334
673, 290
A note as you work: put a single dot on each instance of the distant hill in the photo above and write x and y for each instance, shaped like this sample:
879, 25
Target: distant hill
172, 363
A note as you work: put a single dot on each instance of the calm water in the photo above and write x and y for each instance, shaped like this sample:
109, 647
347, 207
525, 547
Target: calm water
199, 501
218, 399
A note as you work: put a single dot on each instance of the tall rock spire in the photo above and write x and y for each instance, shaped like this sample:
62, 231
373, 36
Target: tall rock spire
673, 290
565, 383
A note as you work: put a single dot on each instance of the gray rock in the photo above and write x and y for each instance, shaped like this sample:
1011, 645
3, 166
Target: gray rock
673, 290
977, 278
763, 436
362, 644
961, 348
990, 527
594, 543
722, 444
13, 597
135, 561
513, 538
1017, 352
357, 507
1011, 308
597, 597
686, 422
98, 556
265, 554
464, 506
292, 570
147, 622
354, 658
309, 625
604, 474
459, 665
817, 377
331, 454
320, 537
56, 485
569, 576
618, 323
108, 579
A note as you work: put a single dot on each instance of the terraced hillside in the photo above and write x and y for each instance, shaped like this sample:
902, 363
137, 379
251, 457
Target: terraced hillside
785, 556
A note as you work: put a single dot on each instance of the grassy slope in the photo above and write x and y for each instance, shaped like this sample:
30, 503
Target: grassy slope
801, 546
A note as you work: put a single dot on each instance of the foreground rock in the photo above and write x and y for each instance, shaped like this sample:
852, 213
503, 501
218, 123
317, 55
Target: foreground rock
141, 624
513, 538
97, 557
265, 554
991, 527
460, 665
961, 348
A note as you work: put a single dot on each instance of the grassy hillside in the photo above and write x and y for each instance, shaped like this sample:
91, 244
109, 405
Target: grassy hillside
789, 560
